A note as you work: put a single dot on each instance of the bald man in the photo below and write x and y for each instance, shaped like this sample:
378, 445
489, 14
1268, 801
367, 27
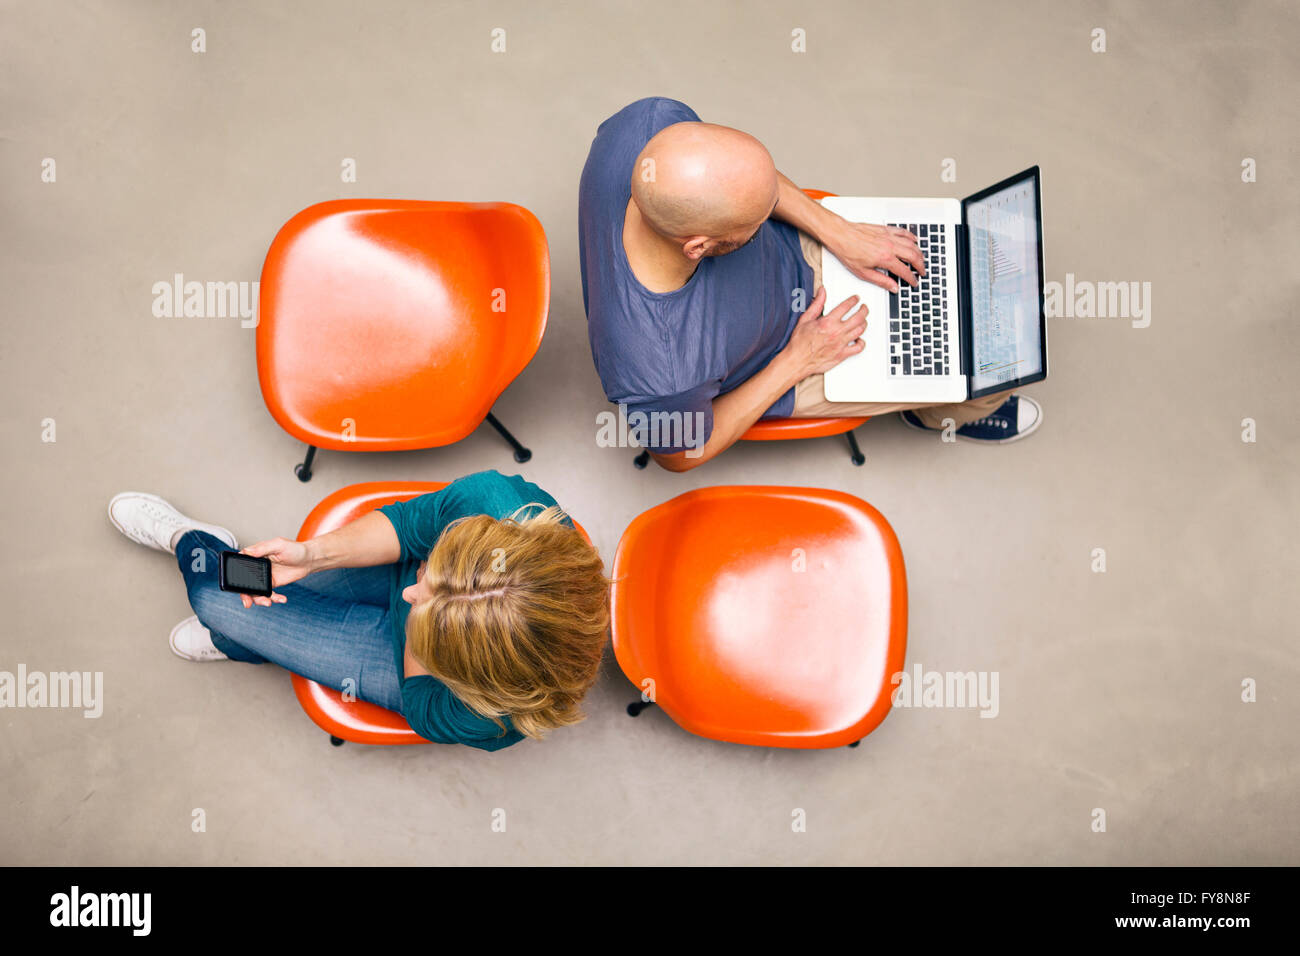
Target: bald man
701, 280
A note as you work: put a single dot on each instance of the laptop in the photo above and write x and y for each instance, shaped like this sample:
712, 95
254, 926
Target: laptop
975, 325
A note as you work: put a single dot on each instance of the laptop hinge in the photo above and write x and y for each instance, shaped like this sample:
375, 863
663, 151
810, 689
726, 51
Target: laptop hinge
966, 320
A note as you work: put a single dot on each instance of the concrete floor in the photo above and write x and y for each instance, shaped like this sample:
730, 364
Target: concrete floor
1119, 691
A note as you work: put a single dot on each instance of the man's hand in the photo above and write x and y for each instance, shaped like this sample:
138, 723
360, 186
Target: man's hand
865, 249
817, 344
290, 561
821, 342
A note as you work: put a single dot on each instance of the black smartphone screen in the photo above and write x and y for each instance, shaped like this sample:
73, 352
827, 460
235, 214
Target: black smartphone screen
245, 574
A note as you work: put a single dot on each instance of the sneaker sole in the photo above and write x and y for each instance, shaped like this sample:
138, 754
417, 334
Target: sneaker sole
982, 441
171, 642
1016, 437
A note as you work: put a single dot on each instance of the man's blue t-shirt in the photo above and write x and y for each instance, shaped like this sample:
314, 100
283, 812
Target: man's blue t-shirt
674, 352
431, 709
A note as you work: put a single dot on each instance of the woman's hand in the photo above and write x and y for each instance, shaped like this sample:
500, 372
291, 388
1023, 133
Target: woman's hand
290, 561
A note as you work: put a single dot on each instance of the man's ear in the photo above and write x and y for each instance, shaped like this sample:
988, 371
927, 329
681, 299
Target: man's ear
695, 247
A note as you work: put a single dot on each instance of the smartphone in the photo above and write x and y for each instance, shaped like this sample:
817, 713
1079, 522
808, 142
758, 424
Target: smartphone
245, 574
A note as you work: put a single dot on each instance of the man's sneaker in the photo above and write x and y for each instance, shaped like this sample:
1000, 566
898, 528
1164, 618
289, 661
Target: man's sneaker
191, 640
152, 522
1015, 418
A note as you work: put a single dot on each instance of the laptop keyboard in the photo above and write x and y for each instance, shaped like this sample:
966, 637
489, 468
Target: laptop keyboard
918, 316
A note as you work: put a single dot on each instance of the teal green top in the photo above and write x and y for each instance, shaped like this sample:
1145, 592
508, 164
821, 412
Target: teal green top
431, 709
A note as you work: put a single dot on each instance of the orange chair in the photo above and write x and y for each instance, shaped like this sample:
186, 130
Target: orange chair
779, 429
357, 720
387, 325
760, 615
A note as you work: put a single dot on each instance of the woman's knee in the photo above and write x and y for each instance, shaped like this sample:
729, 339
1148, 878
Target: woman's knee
199, 555
212, 605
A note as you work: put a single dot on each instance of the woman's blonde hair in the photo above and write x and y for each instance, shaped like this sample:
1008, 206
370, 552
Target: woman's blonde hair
518, 620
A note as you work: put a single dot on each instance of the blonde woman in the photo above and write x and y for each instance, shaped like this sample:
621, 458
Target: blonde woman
478, 612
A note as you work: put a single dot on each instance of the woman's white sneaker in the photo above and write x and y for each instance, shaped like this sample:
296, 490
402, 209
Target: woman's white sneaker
152, 522
191, 640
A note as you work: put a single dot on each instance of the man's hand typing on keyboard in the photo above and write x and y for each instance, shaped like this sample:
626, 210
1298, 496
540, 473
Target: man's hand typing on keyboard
868, 251
865, 249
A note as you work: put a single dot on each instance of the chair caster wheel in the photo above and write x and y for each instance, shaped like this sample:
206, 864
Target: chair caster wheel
859, 459
523, 456
855, 743
642, 460
336, 741
304, 474
634, 708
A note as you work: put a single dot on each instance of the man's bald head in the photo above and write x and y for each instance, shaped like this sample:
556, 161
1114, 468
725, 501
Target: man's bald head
699, 179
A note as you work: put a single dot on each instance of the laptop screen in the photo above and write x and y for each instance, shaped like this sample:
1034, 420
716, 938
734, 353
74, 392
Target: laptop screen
1005, 289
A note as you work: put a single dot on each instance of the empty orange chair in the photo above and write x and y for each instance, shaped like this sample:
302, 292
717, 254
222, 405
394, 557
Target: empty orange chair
761, 615
388, 325
780, 429
358, 720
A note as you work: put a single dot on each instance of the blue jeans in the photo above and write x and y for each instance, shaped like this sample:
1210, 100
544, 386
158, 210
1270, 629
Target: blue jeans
334, 628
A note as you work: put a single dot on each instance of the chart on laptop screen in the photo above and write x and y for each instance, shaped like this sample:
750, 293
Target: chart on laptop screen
1004, 286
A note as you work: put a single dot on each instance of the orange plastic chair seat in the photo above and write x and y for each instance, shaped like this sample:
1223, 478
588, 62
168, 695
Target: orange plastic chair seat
775, 429
395, 324
763, 615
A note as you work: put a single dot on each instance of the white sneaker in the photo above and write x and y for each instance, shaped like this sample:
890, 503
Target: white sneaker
152, 522
191, 640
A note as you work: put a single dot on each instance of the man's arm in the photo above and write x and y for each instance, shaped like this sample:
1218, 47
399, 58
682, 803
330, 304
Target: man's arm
862, 247
794, 206
734, 412
819, 342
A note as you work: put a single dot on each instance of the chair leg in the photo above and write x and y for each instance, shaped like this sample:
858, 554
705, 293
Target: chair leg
638, 705
336, 741
855, 453
522, 454
642, 459
303, 468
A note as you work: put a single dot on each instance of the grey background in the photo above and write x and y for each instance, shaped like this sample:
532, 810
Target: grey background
1118, 690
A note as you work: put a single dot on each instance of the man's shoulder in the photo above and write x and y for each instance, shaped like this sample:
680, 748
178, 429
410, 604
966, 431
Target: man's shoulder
618, 140
649, 115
